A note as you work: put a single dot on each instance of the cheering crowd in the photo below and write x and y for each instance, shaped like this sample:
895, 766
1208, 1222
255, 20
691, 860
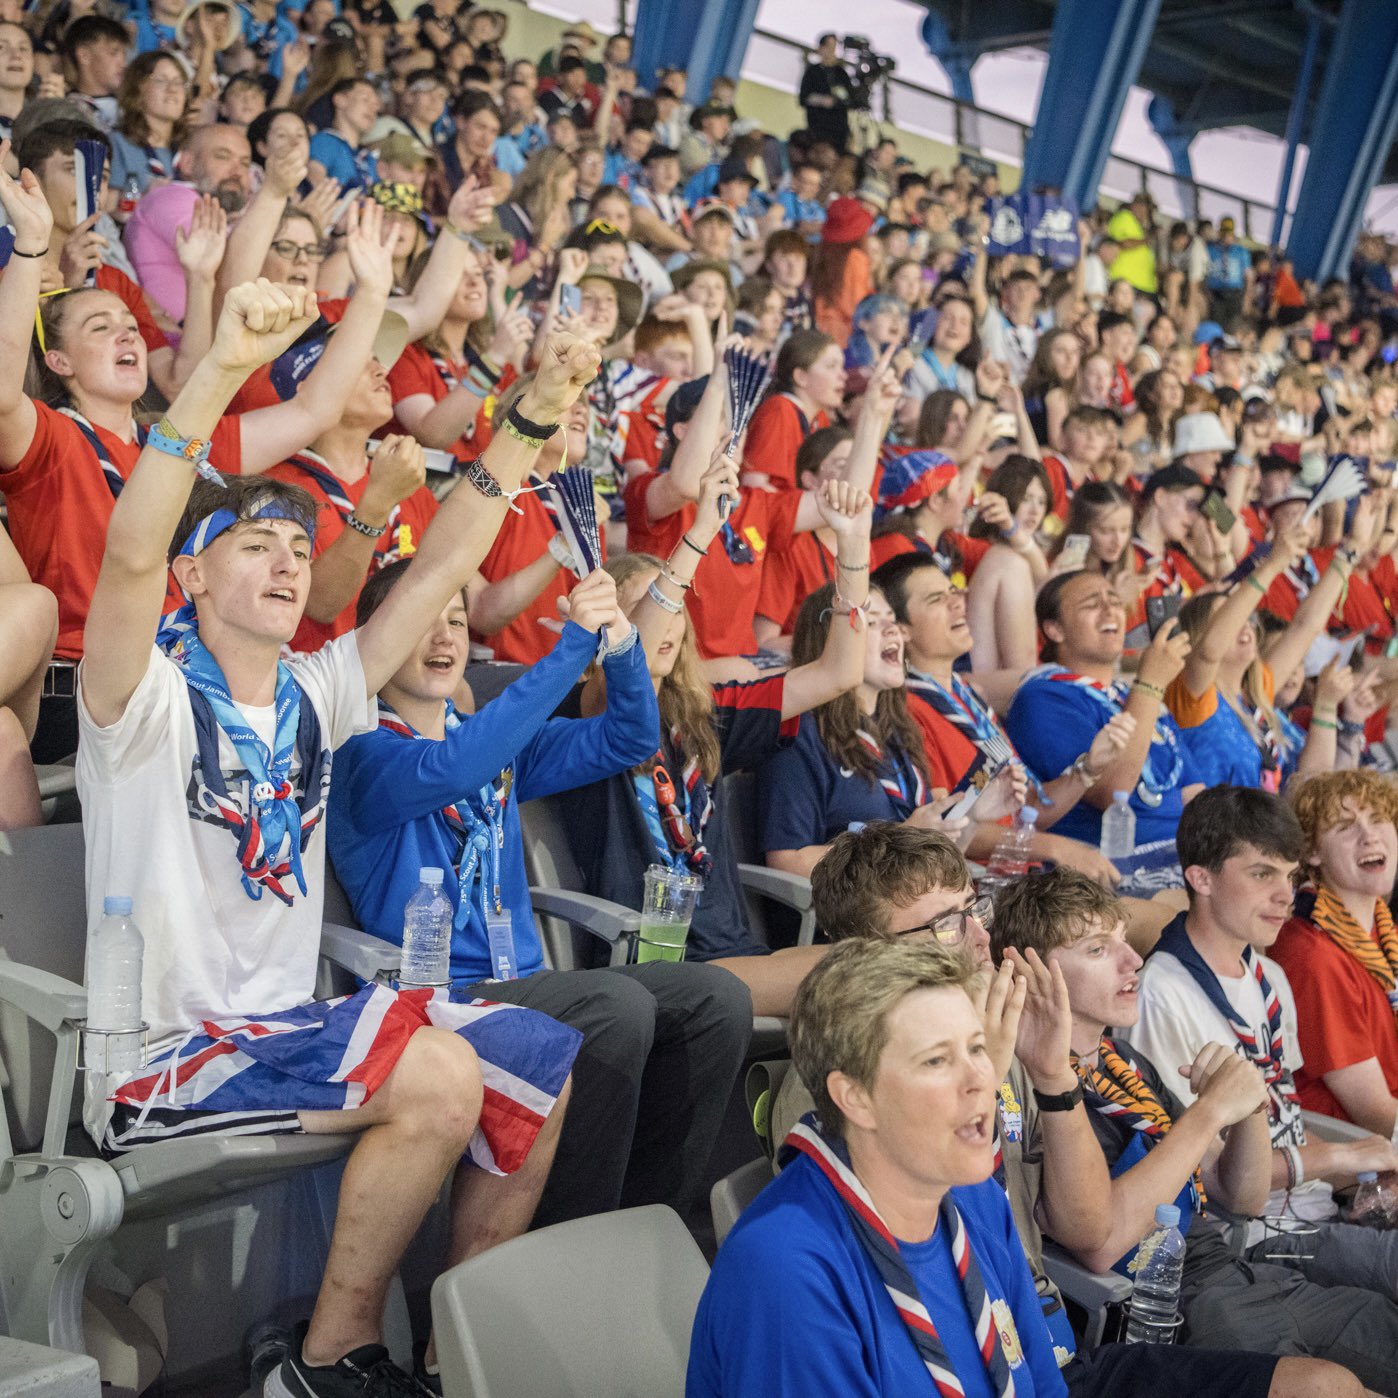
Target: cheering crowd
342, 346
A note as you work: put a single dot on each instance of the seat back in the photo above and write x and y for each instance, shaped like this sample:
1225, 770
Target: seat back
775, 923
549, 863
600, 1307
487, 678
733, 1193
43, 923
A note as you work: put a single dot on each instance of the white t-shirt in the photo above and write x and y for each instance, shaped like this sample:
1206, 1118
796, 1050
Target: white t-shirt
1177, 1020
211, 951
1010, 344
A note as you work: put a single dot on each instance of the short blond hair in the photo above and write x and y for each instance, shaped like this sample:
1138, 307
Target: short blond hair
839, 1023
1319, 801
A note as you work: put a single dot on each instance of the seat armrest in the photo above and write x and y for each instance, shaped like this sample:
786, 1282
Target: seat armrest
1089, 1289
1331, 1128
777, 884
602, 918
358, 952
47, 999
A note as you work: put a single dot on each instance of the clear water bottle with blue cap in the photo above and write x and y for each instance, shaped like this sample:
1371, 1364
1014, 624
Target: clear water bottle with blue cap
1158, 1269
114, 953
1119, 827
427, 920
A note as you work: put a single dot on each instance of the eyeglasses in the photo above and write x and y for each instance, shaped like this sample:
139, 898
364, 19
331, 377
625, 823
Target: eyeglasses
169, 84
300, 252
949, 929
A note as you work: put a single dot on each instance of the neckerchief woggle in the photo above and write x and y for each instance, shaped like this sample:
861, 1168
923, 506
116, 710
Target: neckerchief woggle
480, 837
273, 824
1151, 789
1267, 1053
973, 718
831, 1157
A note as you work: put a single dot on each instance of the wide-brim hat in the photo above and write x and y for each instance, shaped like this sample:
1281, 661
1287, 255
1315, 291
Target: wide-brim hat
630, 299
235, 27
709, 109
681, 277
1200, 432
582, 32
846, 221
288, 370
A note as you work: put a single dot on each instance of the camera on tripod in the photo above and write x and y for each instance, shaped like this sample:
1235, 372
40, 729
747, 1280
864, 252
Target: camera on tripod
867, 69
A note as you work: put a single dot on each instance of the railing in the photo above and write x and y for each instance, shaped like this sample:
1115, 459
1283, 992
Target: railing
776, 61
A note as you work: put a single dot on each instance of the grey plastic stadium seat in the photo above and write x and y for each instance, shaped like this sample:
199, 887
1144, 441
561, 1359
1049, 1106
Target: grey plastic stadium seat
1096, 1292
58, 1199
733, 1193
600, 1307
1331, 1128
35, 1371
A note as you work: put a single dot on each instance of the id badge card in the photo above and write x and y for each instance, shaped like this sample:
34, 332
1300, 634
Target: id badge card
500, 934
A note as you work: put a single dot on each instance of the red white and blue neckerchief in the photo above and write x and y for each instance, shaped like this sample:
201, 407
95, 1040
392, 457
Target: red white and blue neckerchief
115, 480
386, 548
1267, 1051
1152, 786
975, 720
479, 835
898, 775
831, 1156
274, 817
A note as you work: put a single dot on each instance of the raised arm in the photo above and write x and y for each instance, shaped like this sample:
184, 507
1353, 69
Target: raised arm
200, 252
259, 321
252, 235
849, 511
270, 435
471, 208
29, 215
465, 527
672, 490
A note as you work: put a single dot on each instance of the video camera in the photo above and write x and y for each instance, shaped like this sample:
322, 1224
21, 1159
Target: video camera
867, 69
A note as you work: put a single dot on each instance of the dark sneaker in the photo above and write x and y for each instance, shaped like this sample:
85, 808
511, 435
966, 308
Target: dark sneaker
431, 1382
266, 1345
366, 1372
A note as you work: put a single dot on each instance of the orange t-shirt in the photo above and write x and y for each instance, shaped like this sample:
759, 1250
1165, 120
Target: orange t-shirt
835, 316
726, 588
60, 506
776, 432
522, 538
1342, 1014
407, 525
790, 575
416, 372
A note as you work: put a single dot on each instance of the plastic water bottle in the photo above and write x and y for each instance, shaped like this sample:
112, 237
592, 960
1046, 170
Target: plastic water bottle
130, 197
1119, 827
427, 920
1159, 1267
1011, 858
1375, 1201
114, 952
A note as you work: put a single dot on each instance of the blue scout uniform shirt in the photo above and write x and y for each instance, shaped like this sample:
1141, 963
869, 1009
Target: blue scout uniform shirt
386, 821
795, 1307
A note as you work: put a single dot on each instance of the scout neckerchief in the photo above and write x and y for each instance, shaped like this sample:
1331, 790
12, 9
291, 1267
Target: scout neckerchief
676, 814
1115, 1089
1161, 565
898, 775
831, 1157
479, 836
1379, 958
1303, 575
946, 378
1266, 1052
1152, 786
274, 820
1264, 735
388, 549
115, 480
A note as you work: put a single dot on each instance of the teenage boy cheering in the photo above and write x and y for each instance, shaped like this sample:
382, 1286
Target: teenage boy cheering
1159, 1150
203, 775
662, 1043
1208, 981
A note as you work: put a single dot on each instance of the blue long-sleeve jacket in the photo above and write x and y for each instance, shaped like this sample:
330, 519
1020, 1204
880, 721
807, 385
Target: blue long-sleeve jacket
385, 821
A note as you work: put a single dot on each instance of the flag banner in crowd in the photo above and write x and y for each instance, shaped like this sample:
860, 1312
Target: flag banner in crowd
577, 517
748, 374
89, 165
1043, 224
1344, 480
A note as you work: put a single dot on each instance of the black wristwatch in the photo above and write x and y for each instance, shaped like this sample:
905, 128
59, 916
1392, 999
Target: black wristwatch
1058, 1101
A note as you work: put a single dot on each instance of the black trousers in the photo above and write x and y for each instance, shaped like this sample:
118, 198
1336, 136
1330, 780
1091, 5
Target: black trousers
662, 1046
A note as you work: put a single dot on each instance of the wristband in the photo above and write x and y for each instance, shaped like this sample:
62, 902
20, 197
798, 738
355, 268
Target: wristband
685, 539
1079, 770
164, 437
1295, 1166
1253, 581
482, 479
368, 530
1153, 690
561, 553
673, 580
537, 432
852, 567
1058, 1101
1350, 556
606, 649
1324, 723
666, 604
17, 252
